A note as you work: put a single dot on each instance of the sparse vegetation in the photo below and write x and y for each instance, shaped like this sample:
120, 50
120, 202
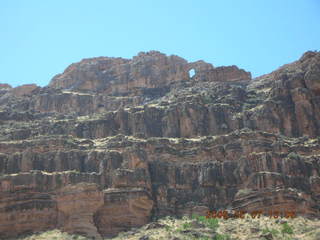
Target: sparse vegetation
206, 99
293, 155
286, 229
202, 228
284, 232
273, 231
186, 226
168, 228
212, 223
221, 237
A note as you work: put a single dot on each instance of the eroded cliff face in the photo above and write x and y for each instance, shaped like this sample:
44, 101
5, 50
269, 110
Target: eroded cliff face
113, 143
117, 75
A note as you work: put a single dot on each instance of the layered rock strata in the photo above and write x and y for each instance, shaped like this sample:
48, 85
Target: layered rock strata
113, 143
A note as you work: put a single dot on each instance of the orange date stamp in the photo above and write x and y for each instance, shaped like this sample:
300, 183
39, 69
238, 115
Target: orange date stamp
254, 214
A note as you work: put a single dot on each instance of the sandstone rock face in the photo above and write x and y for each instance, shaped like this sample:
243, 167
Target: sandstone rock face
113, 143
147, 70
223, 74
23, 90
124, 208
76, 204
5, 86
117, 75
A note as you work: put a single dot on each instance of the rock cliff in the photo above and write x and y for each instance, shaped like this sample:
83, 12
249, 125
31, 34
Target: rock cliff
113, 143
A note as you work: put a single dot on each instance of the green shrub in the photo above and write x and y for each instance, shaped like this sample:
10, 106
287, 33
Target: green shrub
206, 99
194, 216
203, 238
273, 231
202, 219
221, 237
293, 155
168, 228
186, 226
211, 223
286, 229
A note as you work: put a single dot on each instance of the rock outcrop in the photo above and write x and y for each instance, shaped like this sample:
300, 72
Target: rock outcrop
116, 75
5, 86
23, 90
113, 143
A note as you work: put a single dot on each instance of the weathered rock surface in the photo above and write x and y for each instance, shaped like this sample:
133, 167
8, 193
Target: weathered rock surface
113, 143
26, 89
76, 205
117, 75
5, 86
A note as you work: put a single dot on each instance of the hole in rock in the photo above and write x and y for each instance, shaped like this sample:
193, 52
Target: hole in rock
192, 72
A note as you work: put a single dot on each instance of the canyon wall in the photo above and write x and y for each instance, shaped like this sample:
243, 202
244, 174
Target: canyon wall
114, 143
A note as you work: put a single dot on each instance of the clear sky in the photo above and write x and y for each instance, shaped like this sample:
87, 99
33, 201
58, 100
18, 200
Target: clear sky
41, 38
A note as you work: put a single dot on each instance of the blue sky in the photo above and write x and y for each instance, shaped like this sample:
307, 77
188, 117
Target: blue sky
41, 38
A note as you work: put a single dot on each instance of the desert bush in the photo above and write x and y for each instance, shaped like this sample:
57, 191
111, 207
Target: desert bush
273, 231
286, 229
211, 223
293, 155
221, 237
